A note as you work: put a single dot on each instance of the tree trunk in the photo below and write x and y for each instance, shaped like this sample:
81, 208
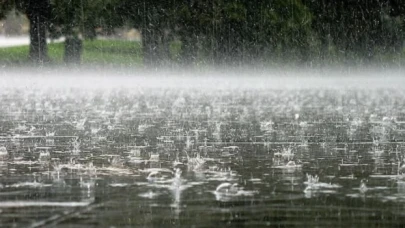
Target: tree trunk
73, 50
73, 44
38, 46
38, 15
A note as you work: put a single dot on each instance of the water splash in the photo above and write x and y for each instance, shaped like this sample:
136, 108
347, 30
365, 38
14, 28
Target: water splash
314, 186
228, 191
3, 153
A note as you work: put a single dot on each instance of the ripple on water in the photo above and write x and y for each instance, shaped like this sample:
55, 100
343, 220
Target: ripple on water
149, 195
120, 185
29, 185
17, 204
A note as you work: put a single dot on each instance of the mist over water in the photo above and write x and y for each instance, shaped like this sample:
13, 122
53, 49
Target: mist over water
231, 78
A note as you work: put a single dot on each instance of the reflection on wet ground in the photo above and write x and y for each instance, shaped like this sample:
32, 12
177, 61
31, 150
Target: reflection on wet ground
163, 157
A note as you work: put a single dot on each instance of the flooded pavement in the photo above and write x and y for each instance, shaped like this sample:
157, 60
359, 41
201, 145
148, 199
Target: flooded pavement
167, 157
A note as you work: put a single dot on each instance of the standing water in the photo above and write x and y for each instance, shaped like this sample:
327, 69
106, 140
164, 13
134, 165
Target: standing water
188, 152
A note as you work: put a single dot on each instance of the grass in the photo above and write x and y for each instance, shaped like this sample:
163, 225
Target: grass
14, 55
120, 53
97, 52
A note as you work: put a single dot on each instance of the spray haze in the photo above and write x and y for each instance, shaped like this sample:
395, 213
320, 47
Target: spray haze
202, 79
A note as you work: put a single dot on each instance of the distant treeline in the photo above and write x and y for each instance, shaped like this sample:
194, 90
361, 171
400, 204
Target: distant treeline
234, 31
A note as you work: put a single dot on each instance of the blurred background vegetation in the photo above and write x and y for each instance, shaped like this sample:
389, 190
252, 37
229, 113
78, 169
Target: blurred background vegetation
189, 33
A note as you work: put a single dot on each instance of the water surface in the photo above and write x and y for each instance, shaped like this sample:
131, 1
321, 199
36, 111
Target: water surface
183, 156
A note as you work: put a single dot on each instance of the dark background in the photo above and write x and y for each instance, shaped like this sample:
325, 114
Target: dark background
226, 32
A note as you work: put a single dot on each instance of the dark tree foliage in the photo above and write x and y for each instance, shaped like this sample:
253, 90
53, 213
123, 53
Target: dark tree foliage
153, 19
5, 7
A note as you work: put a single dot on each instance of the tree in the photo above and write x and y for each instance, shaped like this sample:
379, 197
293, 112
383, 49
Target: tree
151, 17
67, 21
38, 14
228, 31
360, 30
5, 7
78, 19
238, 32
